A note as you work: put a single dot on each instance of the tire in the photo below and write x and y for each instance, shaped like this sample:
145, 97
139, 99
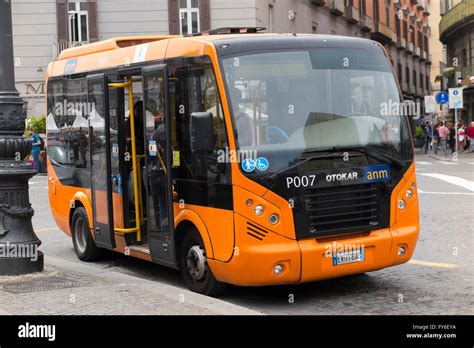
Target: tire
197, 279
84, 244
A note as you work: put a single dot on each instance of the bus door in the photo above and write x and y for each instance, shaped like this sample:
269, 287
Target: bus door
99, 142
158, 165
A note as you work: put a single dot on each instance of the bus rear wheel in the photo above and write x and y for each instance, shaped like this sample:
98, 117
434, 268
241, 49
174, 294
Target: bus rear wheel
197, 275
84, 244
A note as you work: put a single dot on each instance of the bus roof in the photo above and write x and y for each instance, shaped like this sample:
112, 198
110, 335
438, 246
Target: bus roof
121, 51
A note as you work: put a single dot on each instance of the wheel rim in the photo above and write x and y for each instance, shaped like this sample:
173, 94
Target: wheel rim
81, 236
196, 262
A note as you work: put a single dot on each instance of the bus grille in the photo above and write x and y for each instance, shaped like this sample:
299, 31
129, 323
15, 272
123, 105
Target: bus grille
342, 209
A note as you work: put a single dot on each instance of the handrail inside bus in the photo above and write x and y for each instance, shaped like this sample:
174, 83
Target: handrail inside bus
136, 172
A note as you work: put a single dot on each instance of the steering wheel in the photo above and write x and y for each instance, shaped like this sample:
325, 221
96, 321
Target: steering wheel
276, 135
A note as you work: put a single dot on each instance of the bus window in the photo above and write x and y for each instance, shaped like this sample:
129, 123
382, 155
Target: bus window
68, 134
202, 179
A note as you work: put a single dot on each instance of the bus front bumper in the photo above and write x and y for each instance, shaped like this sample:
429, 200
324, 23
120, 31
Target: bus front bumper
254, 262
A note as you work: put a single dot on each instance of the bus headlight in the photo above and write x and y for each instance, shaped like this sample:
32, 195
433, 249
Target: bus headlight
402, 250
401, 204
249, 202
258, 210
409, 194
273, 219
278, 269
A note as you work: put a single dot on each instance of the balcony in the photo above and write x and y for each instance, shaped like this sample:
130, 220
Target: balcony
404, 86
417, 52
401, 43
318, 2
423, 56
458, 16
428, 59
366, 24
409, 48
426, 9
351, 14
336, 7
383, 34
60, 46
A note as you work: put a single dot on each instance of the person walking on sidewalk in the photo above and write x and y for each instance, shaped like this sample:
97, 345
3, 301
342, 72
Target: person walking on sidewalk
443, 136
428, 136
35, 149
436, 138
452, 137
461, 136
470, 135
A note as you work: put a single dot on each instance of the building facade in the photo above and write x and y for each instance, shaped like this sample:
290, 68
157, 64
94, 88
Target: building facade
42, 28
456, 31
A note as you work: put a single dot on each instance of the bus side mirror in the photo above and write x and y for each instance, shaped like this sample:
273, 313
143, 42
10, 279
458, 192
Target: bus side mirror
202, 132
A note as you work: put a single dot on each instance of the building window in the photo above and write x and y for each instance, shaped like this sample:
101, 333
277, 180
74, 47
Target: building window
189, 17
397, 25
376, 11
400, 73
270, 18
405, 29
407, 75
315, 28
387, 11
414, 78
78, 20
362, 8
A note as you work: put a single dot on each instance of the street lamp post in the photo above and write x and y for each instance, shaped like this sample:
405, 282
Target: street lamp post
19, 252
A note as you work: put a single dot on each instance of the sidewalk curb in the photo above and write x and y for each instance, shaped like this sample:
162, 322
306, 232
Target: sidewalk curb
219, 307
441, 159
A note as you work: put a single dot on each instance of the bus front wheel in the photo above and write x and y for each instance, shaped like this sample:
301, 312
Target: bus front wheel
197, 275
84, 244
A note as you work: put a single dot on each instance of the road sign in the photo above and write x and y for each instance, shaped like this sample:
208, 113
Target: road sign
455, 98
430, 104
442, 98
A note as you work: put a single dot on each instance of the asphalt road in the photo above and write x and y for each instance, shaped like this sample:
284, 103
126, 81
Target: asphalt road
438, 280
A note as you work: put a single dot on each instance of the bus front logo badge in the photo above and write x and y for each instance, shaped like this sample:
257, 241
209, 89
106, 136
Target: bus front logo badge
261, 163
248, 165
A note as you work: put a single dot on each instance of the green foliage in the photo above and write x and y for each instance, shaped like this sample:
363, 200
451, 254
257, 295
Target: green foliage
419, 134
37, 124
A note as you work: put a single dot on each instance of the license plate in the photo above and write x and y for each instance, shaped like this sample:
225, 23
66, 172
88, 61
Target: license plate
350, 256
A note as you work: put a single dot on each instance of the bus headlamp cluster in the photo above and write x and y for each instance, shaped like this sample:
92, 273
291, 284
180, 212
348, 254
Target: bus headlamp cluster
258, 210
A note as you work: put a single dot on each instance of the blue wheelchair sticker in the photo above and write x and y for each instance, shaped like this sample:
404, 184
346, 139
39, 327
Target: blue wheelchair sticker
248, 165
262, 164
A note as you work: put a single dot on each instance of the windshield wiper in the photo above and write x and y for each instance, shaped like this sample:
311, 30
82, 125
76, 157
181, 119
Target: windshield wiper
274, 175
381, 156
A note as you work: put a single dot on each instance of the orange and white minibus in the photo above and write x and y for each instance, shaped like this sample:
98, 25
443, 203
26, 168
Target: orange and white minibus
234, 156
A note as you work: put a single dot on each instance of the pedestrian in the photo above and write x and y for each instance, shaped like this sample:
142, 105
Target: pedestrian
35, 149
443, 136
470, 135
428, 135
461, 136
451, 137
435, 138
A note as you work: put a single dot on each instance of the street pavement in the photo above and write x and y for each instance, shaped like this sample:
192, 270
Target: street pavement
438, 280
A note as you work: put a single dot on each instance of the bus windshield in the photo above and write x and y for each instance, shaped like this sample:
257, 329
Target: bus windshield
293, 102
